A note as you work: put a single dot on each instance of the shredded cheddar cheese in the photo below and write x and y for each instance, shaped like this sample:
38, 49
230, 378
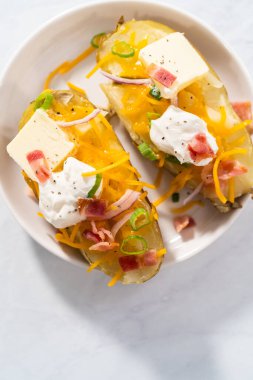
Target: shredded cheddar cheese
143, 184
220, 157
231, 190
74, 87
67, 66
60, 238
187, 207
218, 191
53, 73
158, 178
161, 160
176, 185
115, 279
106, 168
99, 65
161, 252
74, 232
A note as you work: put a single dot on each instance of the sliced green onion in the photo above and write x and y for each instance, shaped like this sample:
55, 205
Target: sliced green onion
123, 50
96, 40
139, 218
174, 160
175, 197
147, 151
155, 92
153, 115
44, 101
93, 190
133, 240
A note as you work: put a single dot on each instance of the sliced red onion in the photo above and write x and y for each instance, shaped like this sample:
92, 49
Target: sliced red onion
124, 203
117, 226
79, 121
193, 194
118, 79
103, 246
108, 234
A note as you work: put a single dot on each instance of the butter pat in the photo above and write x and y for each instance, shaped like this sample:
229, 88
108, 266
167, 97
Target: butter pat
42, 133
175, 54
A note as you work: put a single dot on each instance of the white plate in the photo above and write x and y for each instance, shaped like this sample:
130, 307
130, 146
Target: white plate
63, 38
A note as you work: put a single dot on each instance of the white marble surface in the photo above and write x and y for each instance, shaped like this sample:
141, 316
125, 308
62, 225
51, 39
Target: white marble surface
192, 322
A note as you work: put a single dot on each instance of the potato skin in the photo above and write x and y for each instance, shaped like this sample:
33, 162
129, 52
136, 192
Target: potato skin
214, 97
137, 276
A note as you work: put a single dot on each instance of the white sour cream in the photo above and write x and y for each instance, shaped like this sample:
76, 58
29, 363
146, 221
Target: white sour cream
59, 195
175, 129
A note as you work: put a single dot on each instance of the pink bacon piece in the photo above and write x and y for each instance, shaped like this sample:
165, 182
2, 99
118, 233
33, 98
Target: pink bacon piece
129, 263
132, 262
89, 235
199, 148
182, 222
230, 169
243, 110
39, 165
149, 258
227, 169
99, 235
161, 75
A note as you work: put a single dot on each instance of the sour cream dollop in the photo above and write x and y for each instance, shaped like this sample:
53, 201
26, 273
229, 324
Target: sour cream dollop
175, 130
60, 194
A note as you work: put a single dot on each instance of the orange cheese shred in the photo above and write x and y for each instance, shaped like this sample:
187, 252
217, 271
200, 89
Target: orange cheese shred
74, 232
188, 206
140, 183
106, 168
221, 156
115, 279
158, 179
74, 87
53, 73
67, 66
231, 190
161, 252
176, 185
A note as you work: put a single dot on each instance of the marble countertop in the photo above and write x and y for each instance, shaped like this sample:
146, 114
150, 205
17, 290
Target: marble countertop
192, 322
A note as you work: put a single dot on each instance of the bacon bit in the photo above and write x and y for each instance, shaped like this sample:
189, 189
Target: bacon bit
92, 208
149, 258
108, 234
199, 148
161, 75
99, 235
230, 169
39, 165
128, 263
227, 169
89, 235
103, 246
243, 110
182, 222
